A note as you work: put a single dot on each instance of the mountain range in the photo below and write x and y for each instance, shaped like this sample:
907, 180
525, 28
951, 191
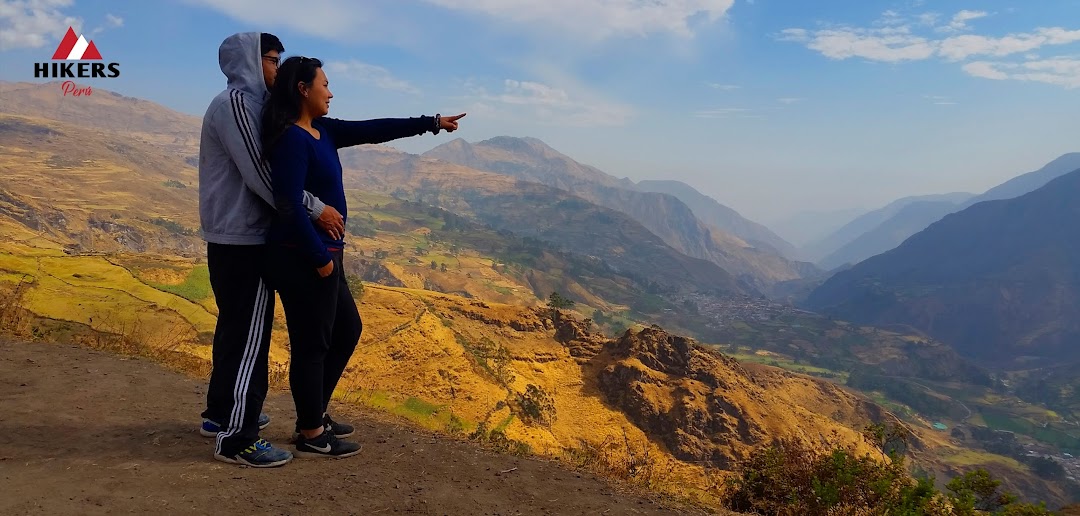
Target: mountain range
834, 250
884, 229
701, 232
805, 227
999, 281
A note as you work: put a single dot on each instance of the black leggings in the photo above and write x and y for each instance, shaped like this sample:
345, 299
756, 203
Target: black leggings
324, 328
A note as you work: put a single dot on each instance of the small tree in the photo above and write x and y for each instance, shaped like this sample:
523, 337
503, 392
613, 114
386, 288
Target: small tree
557, 302
356, 286
434, 265
442, 267
977, 490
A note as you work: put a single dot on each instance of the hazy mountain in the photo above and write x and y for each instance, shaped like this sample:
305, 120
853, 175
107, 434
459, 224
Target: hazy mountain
805, 227
664, 215
866, 222
999, 281
1025, 183
107, 111
908, 220
536, 211
711, 212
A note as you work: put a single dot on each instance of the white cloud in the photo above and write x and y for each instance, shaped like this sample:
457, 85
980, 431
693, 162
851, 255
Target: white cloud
796, 35
893, 39
580, 19
940, 100
962, 47
789, 100
889, 44
985, 70
890, 18
34, 23
928, 19
334, 18
1059, 71
960, 19
111, 22
599, 19
371, 75
723, 87
539, 102
727, 113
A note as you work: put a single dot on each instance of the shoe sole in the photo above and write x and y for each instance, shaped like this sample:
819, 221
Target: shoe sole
312, 455
242, 462
206, 433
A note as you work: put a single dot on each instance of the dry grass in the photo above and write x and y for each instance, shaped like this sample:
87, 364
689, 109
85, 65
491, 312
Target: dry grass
14, 319
643, 465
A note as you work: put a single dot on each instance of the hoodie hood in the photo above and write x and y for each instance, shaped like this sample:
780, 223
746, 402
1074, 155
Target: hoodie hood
240, 58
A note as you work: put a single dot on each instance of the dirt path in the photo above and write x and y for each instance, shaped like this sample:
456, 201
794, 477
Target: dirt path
89, 432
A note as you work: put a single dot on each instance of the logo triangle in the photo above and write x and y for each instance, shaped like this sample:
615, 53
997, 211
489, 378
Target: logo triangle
91, 52
67, 45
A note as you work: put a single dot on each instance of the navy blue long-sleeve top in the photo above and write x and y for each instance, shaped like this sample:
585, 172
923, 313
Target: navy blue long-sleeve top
299, 161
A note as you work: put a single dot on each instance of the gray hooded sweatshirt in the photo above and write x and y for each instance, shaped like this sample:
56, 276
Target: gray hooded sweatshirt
235, 197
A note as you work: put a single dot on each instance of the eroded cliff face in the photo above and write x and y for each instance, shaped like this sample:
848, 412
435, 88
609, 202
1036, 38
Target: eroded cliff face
706, 407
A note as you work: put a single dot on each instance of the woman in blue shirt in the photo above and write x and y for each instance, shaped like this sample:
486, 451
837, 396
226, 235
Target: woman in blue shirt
302, 145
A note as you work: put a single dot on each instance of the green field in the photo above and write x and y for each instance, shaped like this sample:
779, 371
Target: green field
423, 413
195, 288
775, 360
91, 290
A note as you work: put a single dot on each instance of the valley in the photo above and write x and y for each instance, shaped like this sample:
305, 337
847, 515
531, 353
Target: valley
668, 371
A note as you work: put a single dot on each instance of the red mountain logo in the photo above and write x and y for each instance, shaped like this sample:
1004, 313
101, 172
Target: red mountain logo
80, 50
72, 47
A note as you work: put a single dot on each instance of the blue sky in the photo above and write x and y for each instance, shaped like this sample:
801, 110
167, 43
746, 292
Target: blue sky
772, 107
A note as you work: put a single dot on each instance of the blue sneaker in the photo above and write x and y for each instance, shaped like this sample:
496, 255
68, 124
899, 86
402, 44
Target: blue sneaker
260, 454
210, 428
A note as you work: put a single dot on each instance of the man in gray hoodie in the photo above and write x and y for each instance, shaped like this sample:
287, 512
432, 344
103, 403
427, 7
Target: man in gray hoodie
236, 208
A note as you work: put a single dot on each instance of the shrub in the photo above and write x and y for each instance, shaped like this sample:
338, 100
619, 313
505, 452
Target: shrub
791, 478
536, 406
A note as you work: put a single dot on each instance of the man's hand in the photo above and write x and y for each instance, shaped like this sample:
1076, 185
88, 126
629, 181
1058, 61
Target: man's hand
331, 222
449, 123
326, 270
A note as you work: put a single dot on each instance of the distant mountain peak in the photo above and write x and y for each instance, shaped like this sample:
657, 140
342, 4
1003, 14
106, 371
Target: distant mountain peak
457, 142
720, 216
526, 145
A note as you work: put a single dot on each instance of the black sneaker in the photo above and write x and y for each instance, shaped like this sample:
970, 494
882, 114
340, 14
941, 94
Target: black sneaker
329, 425
339, 429
325, 445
